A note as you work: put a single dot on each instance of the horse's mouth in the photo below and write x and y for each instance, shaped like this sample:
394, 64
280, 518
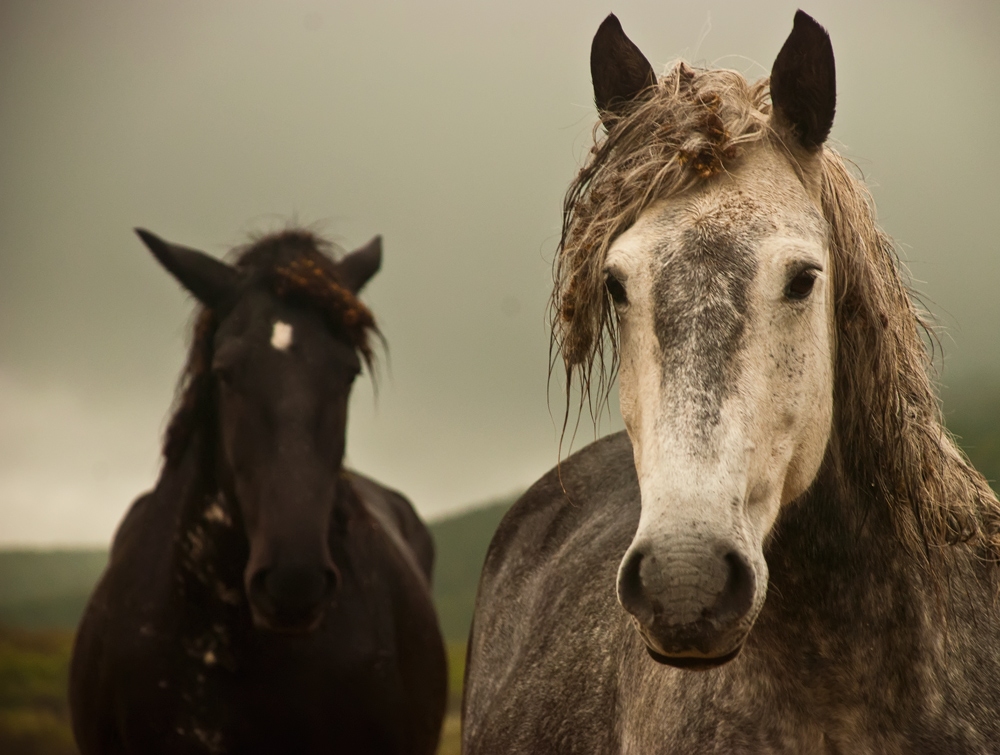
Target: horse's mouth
693, 662
283, 625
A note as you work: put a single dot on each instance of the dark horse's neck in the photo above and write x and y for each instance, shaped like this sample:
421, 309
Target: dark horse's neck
209, 550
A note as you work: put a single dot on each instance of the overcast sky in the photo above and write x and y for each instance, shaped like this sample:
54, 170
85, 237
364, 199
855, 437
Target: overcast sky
451, 128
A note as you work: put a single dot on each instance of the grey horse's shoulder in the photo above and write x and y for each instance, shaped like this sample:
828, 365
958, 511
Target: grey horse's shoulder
555, 553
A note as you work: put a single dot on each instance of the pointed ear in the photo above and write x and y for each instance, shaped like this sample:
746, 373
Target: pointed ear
619, 71
357, 268
804, 83
211, 281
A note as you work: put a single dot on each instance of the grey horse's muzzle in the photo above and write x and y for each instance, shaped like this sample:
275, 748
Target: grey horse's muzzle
692, 602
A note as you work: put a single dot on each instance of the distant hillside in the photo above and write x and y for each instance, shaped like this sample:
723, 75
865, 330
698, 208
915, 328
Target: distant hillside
49, 589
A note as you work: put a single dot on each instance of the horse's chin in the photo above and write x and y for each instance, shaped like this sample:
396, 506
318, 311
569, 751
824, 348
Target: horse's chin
693, 662
272, 625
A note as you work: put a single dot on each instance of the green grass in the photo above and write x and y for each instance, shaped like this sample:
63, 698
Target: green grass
451, 736
34, 713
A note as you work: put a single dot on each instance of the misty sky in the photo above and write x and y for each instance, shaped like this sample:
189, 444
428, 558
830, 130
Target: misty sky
450, 128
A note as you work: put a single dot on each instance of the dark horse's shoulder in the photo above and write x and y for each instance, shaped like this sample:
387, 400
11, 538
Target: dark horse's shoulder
595, 484
395, 513
136, 522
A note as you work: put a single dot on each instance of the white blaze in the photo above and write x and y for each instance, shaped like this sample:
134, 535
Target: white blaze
281, 337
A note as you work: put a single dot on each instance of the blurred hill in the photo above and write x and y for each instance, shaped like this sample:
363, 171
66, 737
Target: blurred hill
47, 589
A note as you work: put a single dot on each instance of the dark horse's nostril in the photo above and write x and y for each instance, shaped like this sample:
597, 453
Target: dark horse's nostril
631, 593
736, 597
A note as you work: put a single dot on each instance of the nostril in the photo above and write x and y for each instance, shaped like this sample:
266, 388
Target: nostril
631, 593
295, 587
737, 596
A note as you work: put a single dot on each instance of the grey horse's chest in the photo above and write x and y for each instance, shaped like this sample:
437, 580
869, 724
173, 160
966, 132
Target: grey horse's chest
771, 711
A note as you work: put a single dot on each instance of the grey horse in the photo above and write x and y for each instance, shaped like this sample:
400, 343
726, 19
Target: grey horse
785, 552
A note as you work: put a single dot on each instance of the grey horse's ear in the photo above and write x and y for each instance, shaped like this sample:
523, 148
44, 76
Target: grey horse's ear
620, 72
804, 83
212, 282
357, 268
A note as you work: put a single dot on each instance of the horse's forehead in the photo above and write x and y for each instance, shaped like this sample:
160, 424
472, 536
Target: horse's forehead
260, 319
735, 214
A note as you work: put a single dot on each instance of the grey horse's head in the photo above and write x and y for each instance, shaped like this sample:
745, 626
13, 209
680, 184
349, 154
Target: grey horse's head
722, 292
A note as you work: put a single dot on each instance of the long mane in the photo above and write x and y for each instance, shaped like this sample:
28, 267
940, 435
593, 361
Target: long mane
692, 125
296, 266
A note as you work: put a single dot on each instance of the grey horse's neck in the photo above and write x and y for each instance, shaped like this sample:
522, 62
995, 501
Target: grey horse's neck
850, 609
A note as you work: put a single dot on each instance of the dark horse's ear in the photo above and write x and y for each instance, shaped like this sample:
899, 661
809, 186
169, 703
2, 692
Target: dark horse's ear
804, 83
211, 281
357, 268
619, 71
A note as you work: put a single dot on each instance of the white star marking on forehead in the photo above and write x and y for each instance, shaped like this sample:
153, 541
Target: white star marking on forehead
281, 337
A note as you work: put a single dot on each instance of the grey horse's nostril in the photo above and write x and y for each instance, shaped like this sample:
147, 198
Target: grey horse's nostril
737, 595
631, 592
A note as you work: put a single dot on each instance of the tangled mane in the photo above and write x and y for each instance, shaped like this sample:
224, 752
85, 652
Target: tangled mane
692, 125
296, 266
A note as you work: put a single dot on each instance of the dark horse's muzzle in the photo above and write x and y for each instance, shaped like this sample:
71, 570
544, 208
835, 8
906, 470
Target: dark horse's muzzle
292, 597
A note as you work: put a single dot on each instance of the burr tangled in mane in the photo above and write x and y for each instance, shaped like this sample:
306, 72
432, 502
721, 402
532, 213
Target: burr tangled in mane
684, 130
298, 267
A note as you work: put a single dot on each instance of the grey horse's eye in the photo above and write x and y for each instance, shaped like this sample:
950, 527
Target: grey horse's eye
801, 285
616, 289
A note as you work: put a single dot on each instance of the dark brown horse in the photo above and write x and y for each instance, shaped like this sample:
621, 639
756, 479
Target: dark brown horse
785, 552
262, 598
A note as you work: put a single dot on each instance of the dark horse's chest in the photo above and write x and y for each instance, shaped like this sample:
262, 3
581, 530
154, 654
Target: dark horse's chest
290, 695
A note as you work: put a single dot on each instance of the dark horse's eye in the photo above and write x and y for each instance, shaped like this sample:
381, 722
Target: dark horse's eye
801, 285
616, 289
224, 374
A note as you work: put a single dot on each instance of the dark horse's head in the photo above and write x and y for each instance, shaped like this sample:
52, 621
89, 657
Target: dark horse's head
277, 347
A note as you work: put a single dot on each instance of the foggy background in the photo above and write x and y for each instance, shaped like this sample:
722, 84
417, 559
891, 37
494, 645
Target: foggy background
450, 128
